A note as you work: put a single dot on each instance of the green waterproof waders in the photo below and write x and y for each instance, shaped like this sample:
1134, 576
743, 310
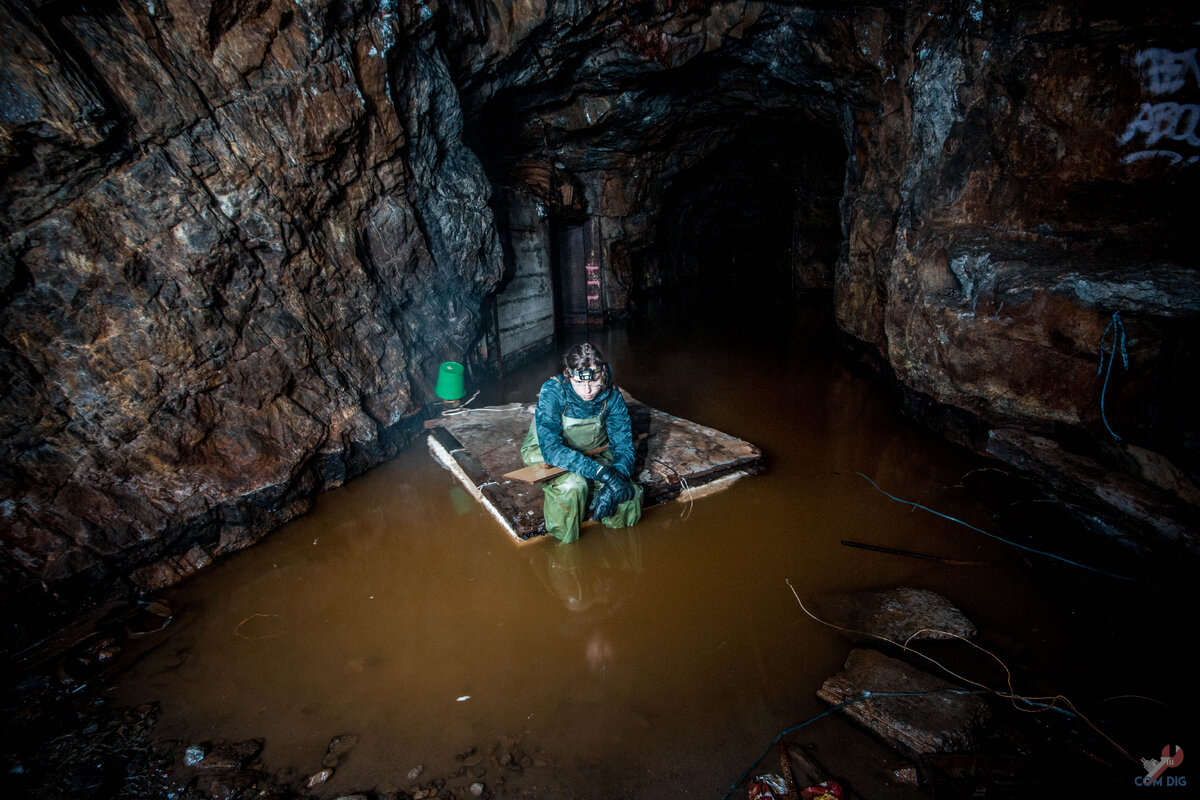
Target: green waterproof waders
565, 497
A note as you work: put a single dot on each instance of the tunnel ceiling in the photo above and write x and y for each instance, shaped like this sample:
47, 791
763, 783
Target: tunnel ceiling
629, 83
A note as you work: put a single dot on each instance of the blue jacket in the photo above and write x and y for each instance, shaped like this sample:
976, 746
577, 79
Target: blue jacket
557, 399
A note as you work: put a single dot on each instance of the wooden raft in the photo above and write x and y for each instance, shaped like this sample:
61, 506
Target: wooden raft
675, 459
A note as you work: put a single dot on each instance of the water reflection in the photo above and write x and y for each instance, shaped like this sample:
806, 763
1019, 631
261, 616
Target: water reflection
593, 584
638, 662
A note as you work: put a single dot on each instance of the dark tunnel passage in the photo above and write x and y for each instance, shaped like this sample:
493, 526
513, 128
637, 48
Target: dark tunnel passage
755, 219
713, 179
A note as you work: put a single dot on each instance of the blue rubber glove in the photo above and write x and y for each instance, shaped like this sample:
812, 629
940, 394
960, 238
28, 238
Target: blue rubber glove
616, 490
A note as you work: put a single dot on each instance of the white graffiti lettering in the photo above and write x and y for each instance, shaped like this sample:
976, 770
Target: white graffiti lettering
1165, 120
1162, 129
1170, 155
1165, 71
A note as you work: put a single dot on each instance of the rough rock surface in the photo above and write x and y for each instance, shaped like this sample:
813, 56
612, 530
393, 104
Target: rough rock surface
1016, 223
930, 720
896, 615
238, 237
1160, 495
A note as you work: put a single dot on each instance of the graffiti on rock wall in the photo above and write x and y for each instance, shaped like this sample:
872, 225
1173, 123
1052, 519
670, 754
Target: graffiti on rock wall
1166, 128
1165, 71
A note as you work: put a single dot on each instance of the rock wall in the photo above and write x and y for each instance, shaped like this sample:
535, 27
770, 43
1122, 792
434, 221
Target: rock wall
238, 239
239, 236
1017, 222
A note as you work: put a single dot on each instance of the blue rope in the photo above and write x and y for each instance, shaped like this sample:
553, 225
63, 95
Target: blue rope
1118, 329
991, 535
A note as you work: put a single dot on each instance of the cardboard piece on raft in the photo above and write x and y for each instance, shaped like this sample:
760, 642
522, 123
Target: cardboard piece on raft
537, 473
534, 473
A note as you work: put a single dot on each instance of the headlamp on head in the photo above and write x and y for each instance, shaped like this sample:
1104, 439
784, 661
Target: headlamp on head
585, 374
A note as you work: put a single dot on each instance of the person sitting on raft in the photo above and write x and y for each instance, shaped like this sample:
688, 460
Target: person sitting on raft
581, 425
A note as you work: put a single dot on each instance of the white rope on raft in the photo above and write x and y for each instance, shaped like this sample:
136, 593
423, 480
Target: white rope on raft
446, 460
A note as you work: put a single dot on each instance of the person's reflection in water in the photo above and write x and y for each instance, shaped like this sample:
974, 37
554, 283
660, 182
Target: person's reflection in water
591, 581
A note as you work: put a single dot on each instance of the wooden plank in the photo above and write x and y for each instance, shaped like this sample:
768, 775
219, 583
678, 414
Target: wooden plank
538, 473
534, 473
474, 470
478, 478
913, 711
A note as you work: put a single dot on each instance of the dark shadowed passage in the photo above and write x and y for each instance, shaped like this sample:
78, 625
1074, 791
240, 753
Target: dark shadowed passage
654, 661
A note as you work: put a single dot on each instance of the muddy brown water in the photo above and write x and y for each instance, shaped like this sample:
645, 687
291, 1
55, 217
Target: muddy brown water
649, 662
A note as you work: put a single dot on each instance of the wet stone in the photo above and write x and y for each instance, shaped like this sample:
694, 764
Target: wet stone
159, 608
222, 756
895, 614
195, 754
221, 762
104, 649
150, 617
318, 778
74, 670
415, 773
470, 758
140, 715
339, 746
232, 787
906, 775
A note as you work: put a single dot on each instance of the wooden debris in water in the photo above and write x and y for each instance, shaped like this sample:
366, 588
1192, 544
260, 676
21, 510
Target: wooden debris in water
910, 554
927, 714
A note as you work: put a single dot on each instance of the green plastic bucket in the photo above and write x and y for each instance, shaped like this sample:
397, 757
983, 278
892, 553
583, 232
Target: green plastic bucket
450, 381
